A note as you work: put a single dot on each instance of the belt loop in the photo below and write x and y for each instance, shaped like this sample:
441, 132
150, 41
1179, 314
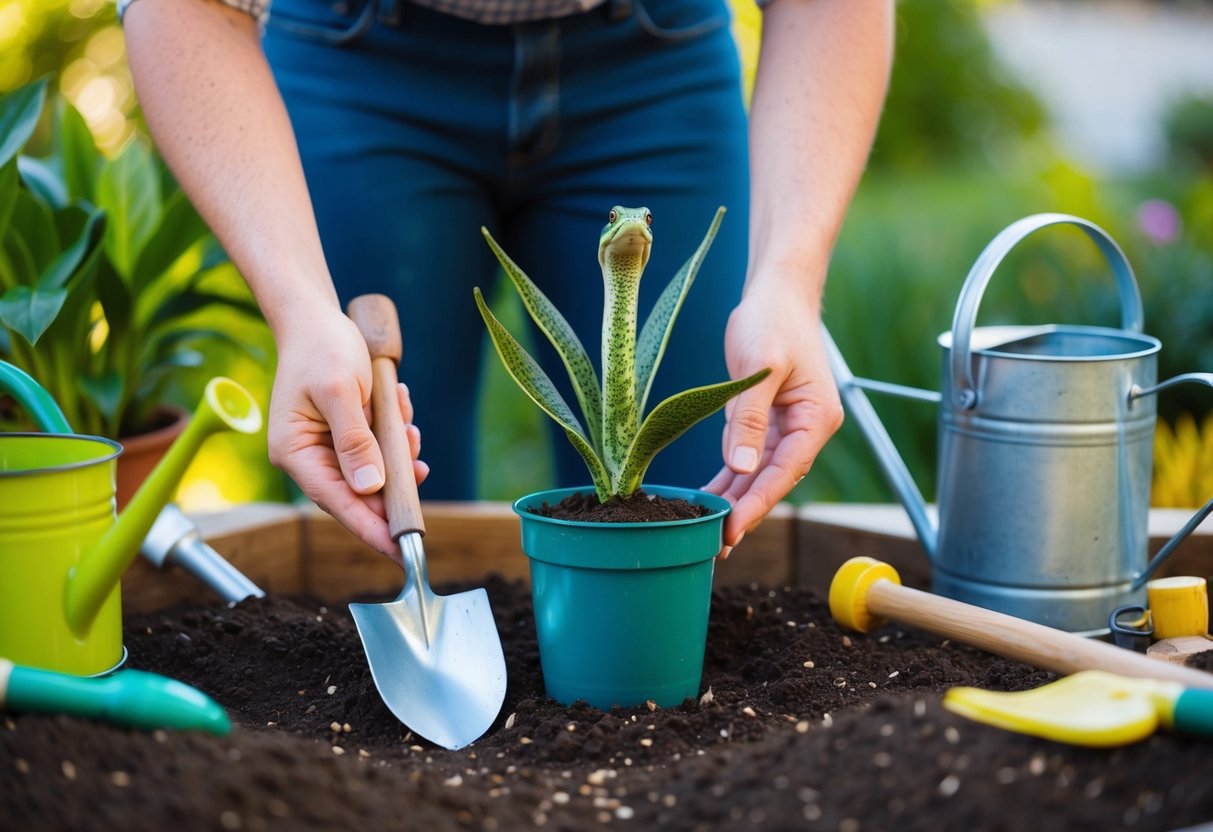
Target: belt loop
619, 9
389, 12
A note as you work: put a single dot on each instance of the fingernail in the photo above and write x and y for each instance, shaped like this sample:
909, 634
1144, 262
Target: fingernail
367, 476
745, 459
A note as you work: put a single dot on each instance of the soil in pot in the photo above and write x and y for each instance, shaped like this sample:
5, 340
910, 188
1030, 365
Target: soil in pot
798, 726
637, 507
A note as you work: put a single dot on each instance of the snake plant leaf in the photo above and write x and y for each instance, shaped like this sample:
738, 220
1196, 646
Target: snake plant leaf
528, 375
655, 334
30, 311
672, 418
554, 325
106, 391
19, 111
128, 188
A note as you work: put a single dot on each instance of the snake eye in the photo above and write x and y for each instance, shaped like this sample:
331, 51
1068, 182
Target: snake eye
611, 217
648, 218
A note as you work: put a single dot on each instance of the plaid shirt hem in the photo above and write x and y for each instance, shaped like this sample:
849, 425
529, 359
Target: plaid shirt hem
258, 9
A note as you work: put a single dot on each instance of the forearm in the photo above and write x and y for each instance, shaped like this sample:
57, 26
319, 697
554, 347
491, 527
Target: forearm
217, 117
821, 81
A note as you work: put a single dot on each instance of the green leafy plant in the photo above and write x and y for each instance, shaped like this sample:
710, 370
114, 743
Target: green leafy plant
616, 445
102, 266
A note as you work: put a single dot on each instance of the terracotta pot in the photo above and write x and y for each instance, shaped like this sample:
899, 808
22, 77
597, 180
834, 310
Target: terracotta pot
142, 452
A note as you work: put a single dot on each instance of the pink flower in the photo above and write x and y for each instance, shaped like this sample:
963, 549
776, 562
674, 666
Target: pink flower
1159, 221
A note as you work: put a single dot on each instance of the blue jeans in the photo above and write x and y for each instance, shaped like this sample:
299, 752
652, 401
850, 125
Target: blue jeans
416, 128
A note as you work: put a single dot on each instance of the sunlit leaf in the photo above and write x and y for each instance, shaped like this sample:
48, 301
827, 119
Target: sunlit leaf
180, 228
40, 178
19, 111
34, 224
29, 312
128, 188
61, 269
78, 152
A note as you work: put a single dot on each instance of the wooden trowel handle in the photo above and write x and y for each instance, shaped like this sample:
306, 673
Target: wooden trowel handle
376, 318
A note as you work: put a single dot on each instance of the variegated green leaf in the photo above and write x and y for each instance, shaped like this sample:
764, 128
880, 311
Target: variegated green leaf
650, 345
672, 418
553, 324
528, 375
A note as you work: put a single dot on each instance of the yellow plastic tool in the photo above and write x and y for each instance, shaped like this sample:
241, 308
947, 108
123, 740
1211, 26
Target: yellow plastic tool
1091, 708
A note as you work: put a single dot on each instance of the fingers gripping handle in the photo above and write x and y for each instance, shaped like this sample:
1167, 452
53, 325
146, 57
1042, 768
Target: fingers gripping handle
375, 317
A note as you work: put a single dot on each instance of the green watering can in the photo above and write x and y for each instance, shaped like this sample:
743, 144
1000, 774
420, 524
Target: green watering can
62, 547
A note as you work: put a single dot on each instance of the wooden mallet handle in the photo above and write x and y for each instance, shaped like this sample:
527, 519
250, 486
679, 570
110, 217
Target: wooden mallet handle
865, 590
376, 318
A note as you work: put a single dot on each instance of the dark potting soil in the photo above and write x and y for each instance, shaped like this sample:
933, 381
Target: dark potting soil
798, 726
638, 507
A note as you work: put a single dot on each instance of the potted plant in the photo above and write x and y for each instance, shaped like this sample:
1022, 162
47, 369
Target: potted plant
621, 606
103, 265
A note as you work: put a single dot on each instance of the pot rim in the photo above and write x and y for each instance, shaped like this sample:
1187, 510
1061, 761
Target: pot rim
115, 451
719, 507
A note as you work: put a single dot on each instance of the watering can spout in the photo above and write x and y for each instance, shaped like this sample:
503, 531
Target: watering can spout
225, 405
857, 407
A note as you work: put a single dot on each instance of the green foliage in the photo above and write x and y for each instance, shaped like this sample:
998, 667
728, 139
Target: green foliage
616, 452
1188, 127
102, 267
949, 98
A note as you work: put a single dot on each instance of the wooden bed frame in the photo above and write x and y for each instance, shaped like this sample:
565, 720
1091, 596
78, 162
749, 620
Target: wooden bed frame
299, 549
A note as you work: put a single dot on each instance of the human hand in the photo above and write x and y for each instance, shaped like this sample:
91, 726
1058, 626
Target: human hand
775, 429
319, 426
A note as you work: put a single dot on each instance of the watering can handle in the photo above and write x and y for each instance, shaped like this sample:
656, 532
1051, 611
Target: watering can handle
963, 386
33, 399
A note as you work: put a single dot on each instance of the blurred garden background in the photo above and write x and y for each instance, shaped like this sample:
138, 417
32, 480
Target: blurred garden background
997, 109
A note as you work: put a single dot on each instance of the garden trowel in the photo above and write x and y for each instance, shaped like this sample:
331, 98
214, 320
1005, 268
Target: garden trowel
436, 659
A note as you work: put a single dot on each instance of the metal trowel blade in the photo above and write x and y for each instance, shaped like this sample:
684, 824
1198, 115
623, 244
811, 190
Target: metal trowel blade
442, 674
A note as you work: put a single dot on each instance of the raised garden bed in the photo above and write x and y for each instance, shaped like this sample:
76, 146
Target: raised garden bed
805, 727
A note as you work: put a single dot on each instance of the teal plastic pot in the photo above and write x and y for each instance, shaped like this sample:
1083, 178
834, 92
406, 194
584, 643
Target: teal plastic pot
621, 609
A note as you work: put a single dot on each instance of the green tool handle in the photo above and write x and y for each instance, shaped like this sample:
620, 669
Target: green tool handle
33, 399
130, 698
1194, 712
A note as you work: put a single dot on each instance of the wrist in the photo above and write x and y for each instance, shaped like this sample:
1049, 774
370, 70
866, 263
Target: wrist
302, 314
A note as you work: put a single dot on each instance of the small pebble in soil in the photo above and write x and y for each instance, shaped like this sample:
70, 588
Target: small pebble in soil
509, 722
748, 711
707, 697
646, 742
524, 740
335, 727
331, 690
949, 785
346, 728
651, 705
453, 781
69, 769
120, 779
802, 727
338, 750
21, 765
809, 665
951, 735
230, 821
846, 641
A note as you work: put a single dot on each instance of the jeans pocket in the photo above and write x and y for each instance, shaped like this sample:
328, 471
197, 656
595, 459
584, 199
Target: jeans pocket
678, 20
335, 22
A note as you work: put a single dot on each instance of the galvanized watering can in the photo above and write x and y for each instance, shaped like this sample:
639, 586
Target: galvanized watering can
63, 548
1045, 453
